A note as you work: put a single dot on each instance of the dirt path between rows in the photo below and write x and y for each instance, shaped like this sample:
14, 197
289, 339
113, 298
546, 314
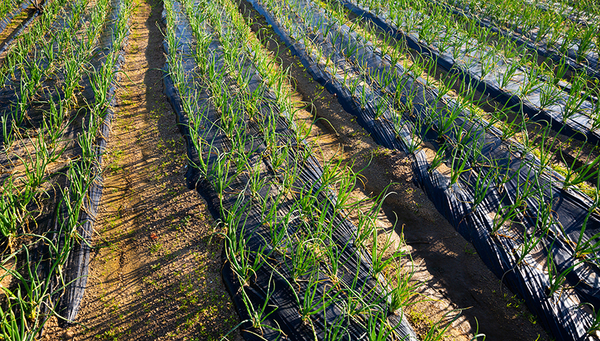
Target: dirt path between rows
452, 275
155, 269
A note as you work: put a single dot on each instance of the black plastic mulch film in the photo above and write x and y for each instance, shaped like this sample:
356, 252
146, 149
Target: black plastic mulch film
9, 91
69, 298
4, 22
272, 280
590, 65
589, 61
577, 125
581, 17
9, 95
76, 266
561, 313
79, 258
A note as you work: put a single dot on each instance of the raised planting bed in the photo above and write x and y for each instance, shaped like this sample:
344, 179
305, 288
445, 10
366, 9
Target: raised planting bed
510, 218
552, 28
533, 40
581, 12
55, 126
23, 75
16, 23
9, 10
296, 267
505, 77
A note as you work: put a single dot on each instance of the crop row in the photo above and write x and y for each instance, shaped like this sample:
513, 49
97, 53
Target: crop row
545, 41
299, 262
9, 10
364, 61
549, 28
533, 42
501, 115
543, 24
516, 128
498, 66
581, 12
497, 193
570, 180
573, 248
58, 87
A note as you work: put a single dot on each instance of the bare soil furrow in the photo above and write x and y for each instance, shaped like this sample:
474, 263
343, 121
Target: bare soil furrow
155, 268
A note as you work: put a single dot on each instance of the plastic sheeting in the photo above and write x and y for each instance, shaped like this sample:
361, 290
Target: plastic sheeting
273, 283
577, 16
6, 20
18, 32
522, 39
577, 125
10, 91
77, 265
589, 62
560, 313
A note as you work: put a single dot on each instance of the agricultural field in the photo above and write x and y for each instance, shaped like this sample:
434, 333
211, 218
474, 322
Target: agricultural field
299, 170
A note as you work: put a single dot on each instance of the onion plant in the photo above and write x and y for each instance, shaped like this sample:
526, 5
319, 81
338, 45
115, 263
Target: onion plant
482, 61
39, 273
577, 175
544, 27
44, 149
7, 6
230, 54
556, 278
588, 247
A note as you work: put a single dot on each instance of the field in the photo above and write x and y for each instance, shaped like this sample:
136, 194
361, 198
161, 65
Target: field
299, 170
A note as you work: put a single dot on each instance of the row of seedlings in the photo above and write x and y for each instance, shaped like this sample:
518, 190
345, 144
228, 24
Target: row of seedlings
489, 198
29, 155
566, 161
579, 231
582, 155
376, 64
534, 40
27, 17
51, 166
31, 60
32, 128
295, 266
581, 12
86, 181
496, 65
575, 228
385, 76
579, 168
572, 178
9, 10
552, 18
549, 28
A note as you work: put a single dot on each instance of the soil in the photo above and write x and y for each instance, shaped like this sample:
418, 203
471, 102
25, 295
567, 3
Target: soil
566, 151
451, 274
155, 269
12, 28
